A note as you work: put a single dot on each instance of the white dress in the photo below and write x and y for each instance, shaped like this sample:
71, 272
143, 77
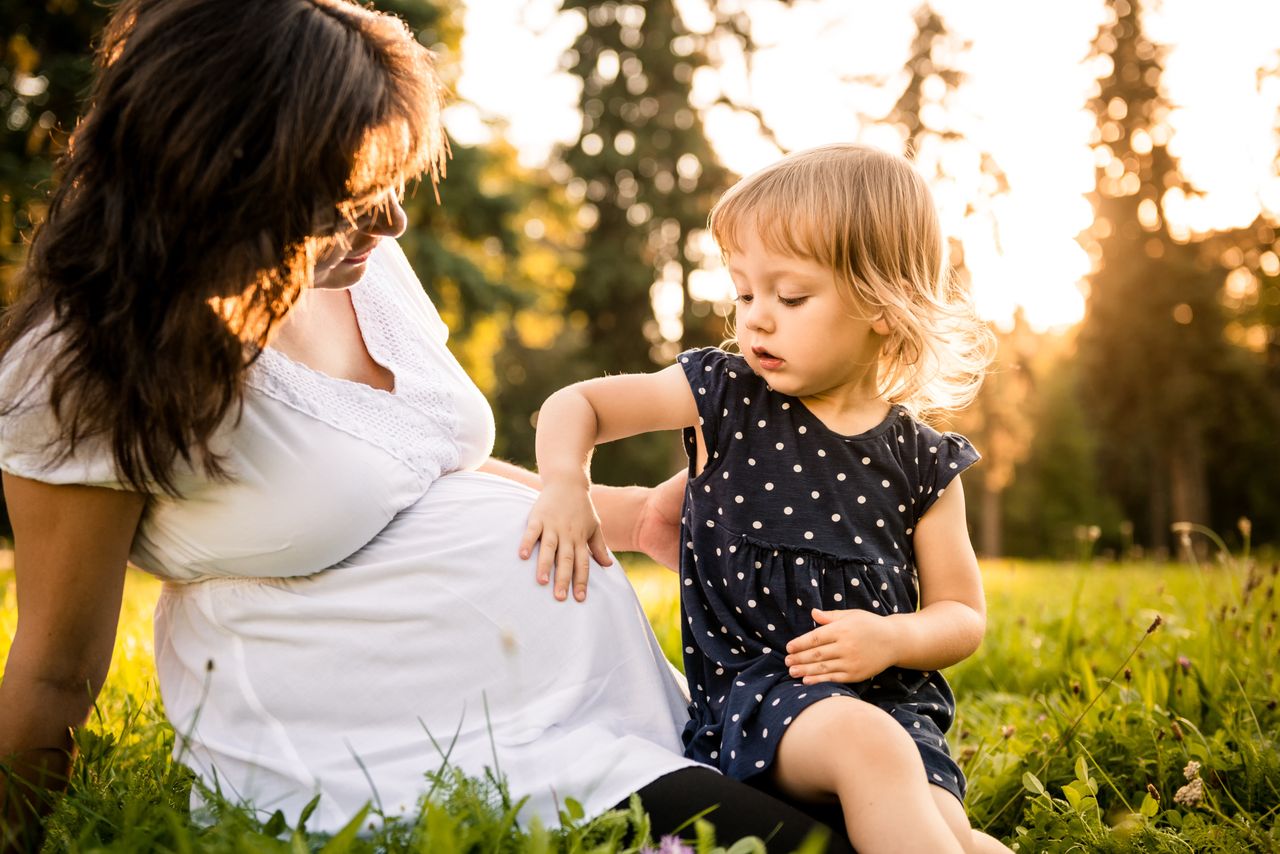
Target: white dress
350, 609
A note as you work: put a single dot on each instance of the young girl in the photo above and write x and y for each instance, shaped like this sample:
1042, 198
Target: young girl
827, 572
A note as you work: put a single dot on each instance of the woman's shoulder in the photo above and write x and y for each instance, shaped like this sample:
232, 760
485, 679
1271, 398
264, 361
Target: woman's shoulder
391, 273
33, 440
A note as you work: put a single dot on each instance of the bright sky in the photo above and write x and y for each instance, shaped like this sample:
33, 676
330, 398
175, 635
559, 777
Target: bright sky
1028, 80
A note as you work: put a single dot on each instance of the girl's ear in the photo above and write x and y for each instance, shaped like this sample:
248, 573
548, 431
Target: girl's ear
880, 325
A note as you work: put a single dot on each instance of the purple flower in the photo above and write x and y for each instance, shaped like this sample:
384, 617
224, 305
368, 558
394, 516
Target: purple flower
1184, 663
668, 845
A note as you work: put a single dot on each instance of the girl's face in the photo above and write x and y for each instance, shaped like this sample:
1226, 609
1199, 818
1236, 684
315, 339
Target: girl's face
344, 264
798, 328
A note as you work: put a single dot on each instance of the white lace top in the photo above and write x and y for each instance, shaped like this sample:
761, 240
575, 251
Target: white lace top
436, 421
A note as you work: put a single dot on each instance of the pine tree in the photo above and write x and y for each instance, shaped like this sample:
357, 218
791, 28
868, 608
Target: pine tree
646, 177
1153, 354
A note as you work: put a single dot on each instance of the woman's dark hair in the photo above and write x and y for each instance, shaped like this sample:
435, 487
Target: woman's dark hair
225, 143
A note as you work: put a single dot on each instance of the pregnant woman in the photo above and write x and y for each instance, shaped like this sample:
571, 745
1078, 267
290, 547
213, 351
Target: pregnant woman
221, 368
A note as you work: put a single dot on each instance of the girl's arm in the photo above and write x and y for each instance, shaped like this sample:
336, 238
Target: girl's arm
952, 618
570, 424
70, 548
853, 645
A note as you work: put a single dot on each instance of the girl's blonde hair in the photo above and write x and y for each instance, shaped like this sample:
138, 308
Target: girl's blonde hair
868, 215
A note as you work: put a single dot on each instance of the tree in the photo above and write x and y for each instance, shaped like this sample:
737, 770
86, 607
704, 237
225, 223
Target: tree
645, 177
1155, 360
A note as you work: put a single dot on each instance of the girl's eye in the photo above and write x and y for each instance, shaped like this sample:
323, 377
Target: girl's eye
743, 297
792, 302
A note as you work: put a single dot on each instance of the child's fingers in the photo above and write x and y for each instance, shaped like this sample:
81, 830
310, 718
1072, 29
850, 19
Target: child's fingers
564, 569
824, 667
581, 567
532, 532
818, 637
547, 556
812, 656
836, 676
599, 550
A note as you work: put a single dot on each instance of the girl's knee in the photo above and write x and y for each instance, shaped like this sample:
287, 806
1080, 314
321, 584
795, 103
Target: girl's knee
856, 727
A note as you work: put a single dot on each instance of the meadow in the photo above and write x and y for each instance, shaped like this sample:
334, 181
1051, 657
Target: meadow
1113, 707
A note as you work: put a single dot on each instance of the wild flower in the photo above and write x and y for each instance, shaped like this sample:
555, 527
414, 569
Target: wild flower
1192, 770
1184, 663
668, 845
1191, 794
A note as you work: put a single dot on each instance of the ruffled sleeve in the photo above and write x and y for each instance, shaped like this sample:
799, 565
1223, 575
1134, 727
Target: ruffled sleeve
30, 436
941, 456
722, 387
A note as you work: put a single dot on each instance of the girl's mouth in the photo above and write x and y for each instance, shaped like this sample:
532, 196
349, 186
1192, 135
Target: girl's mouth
767, 360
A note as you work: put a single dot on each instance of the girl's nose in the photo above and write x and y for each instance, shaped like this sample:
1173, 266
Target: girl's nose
757, 317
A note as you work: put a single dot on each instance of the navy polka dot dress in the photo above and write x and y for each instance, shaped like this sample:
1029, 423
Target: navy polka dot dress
788, 516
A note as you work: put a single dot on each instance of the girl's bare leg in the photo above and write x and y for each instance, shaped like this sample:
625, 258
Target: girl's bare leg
973, 841
844, 747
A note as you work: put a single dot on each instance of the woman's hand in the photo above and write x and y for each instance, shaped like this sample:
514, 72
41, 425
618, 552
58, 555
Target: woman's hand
657, 531
565, 521
848, 646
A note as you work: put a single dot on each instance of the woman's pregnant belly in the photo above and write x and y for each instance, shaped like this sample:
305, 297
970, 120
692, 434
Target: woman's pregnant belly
433, 639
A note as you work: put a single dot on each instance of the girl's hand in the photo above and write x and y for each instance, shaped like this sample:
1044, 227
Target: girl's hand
565, 520
848, 646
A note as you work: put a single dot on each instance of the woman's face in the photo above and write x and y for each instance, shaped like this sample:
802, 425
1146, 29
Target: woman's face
344, 264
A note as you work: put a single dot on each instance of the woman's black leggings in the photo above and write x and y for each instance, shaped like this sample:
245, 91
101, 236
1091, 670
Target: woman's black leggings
736, 810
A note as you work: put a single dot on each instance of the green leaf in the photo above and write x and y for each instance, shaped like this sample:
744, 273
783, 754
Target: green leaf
275, 825
1032, 784
749, 845
574, 809
1073, 797
306, 813
342, 840
1150, 806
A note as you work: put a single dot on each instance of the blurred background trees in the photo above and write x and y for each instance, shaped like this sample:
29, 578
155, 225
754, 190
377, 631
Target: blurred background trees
1161, 405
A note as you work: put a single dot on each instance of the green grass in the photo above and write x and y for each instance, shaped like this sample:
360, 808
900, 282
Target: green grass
1060, 756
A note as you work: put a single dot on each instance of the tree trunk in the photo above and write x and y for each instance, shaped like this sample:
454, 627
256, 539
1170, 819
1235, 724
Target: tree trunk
1188, 487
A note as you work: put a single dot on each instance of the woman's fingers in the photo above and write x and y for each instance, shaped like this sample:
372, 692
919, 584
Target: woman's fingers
599, 550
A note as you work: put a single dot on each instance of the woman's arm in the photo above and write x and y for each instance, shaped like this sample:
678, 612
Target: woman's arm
70, 548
